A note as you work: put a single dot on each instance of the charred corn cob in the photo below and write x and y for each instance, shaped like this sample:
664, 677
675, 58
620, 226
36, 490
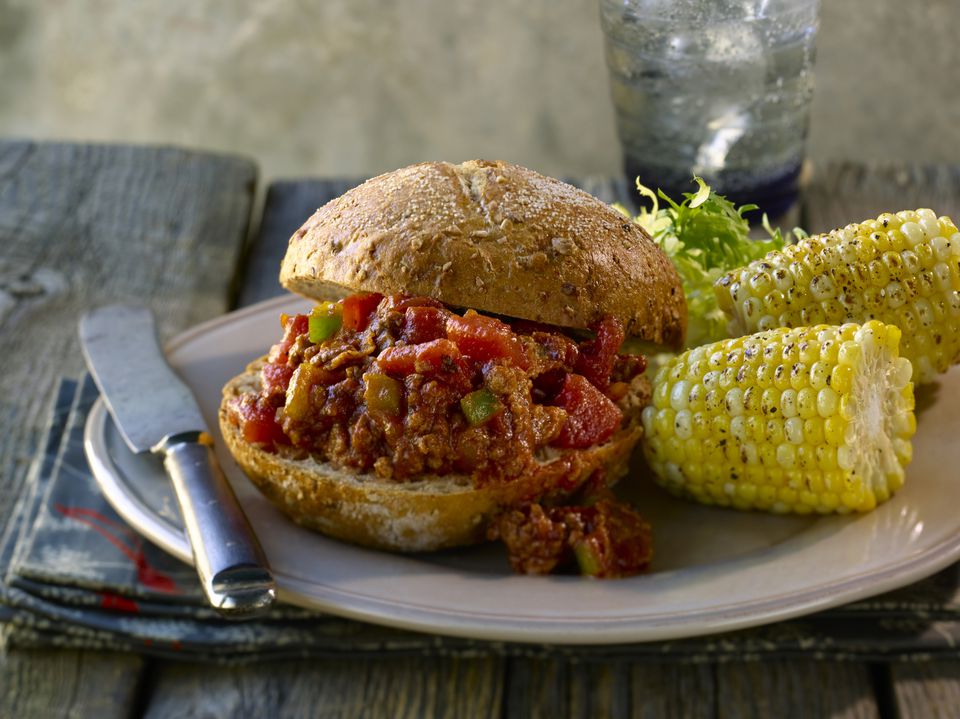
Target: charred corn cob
815, 419
902, 269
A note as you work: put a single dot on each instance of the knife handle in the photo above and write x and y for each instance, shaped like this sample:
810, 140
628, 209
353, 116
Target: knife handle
232, 567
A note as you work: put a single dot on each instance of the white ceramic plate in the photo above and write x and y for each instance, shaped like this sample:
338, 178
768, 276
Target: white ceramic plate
714, 569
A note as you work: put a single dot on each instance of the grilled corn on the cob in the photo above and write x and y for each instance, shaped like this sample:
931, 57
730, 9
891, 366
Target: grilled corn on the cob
815, 419
902, 269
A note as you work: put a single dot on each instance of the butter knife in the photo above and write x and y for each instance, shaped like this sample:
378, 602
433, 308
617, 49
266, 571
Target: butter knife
155, 411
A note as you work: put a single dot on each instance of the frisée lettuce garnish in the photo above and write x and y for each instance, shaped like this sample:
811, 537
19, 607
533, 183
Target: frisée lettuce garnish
706, 236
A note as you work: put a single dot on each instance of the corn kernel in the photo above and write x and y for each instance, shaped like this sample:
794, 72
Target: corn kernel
848, 407
663, 421
769, 400
767, 454
793, 429
766, 496
913, 232
828, 402
813, 432
699, 425
683, 424
807, 402
833, 430
728, 378
788, 403
826, 457
819, 373
829, 350
781, 377
720, 426
841, 379
734, 402
786, 456
673, 449
738, 428
661, 393
679, 395
806, 457
799, 375
694, 455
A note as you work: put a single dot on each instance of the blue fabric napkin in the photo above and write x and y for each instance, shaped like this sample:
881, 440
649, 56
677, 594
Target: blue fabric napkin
75, 575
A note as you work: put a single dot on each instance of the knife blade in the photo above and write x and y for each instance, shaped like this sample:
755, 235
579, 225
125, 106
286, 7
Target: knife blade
155, 411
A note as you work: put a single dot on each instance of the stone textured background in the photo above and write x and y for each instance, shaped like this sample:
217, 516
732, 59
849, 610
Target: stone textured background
321, 87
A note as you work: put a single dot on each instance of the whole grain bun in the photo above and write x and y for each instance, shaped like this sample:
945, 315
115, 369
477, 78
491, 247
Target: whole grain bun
494, 237
434, 512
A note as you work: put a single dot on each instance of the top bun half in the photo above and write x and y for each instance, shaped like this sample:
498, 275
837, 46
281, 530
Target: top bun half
494, 237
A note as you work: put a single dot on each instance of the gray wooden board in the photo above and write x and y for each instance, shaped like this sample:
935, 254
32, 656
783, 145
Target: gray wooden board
738, 690
401, 688
51, 683
288, 205
81, 226
927, 690
405, 687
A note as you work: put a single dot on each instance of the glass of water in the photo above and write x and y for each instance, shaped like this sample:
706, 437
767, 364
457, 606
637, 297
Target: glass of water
716, 88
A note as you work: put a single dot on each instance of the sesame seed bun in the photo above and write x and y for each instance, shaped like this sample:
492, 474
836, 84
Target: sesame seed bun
494, 237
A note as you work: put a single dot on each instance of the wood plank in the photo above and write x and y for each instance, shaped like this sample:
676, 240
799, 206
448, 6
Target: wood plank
672, 690
794, 688
50, 683
779, 688
83, 225
80, 226
850, 192
287, 206
396, 687
574, 688
926, 690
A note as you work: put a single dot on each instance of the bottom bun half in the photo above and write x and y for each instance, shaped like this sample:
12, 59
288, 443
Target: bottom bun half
434, 512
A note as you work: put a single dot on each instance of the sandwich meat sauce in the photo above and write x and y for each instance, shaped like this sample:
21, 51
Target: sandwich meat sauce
475, 384
401, 387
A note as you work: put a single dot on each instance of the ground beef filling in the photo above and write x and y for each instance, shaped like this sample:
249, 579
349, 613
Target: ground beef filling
602, 538
402, 386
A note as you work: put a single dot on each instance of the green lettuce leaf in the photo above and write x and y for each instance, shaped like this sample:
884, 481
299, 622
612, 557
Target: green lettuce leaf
706, 236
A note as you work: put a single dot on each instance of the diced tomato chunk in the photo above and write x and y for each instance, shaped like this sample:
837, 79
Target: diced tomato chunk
358, 308
298, 325
591, 417
276, 377
436, 356
399, 360
293, 328
598, 355
485, 338
258, 424
440, 359
423, 324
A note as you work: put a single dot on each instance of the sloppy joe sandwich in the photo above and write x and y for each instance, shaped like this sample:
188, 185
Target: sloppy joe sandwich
470, 383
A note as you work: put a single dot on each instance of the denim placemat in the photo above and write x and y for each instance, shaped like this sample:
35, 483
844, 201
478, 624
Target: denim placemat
75, 575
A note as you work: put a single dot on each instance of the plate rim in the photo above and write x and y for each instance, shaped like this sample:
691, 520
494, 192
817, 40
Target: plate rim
615, 629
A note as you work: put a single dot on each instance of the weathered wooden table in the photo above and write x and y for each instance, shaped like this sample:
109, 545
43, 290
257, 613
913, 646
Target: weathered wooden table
82, 225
